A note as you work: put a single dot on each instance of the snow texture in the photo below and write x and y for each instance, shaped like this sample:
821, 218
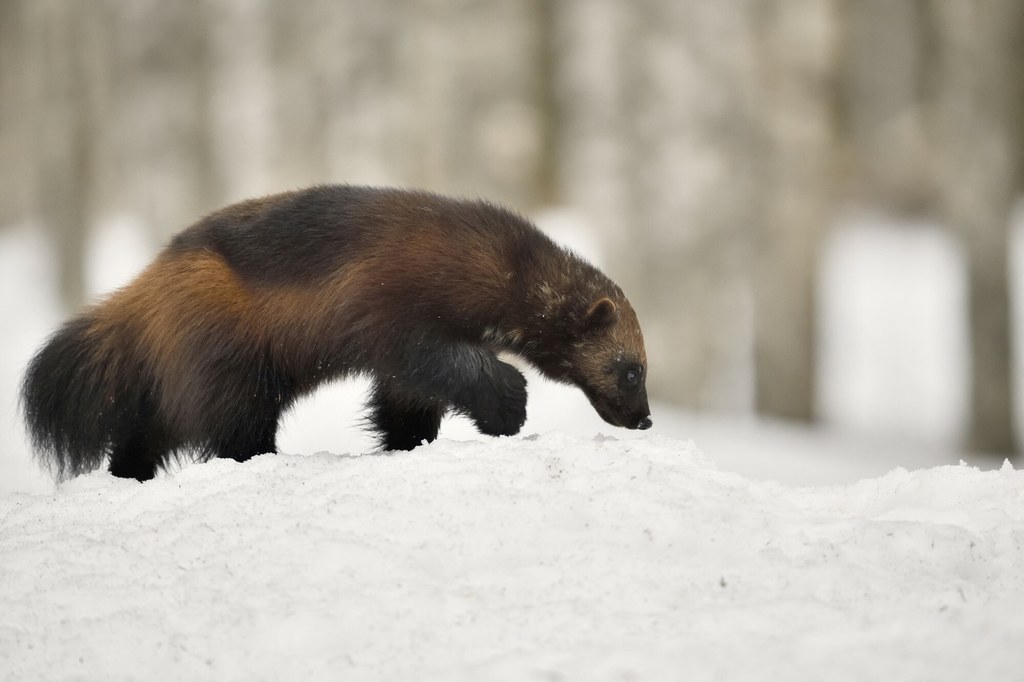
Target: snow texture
548, 557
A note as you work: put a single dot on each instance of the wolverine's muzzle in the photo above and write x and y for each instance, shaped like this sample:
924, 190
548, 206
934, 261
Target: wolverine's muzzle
628, 416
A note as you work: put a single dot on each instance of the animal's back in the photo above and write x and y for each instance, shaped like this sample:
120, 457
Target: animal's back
307, 235
355, 252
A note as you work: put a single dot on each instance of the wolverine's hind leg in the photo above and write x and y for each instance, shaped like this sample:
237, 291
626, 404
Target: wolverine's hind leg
253, 431
401, 421
141, 447
243, 420
137, 457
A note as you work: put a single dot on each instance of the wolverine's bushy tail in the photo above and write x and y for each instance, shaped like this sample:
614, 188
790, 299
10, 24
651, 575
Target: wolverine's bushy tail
79, 395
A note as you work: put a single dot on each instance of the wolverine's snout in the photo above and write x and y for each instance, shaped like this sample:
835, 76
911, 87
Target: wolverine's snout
635, 416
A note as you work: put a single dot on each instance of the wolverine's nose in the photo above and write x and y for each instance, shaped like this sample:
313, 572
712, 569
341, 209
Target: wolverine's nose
645, 423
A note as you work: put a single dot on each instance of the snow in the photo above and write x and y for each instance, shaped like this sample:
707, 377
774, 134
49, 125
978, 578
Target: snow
708, 548
539, 557
894, 347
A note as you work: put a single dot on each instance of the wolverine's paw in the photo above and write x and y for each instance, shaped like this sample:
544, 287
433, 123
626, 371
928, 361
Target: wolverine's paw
501, 410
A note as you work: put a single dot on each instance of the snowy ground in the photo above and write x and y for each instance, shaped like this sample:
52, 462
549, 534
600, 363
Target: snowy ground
547, 558
562, 554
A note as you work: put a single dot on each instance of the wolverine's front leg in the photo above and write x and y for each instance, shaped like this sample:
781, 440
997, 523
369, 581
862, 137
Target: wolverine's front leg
402, 421
496, 400
469, 379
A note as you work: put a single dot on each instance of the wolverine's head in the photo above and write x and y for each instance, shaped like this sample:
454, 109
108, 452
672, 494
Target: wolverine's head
599, 347
610, 364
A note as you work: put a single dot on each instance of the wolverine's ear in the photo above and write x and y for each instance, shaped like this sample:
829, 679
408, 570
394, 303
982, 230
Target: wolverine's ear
602, 314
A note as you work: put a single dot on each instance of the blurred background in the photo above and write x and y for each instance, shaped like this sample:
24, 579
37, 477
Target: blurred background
811, 203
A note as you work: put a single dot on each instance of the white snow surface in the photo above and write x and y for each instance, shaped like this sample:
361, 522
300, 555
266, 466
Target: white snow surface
550, 557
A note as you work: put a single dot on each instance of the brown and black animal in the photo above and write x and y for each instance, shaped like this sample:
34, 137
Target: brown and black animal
263, 301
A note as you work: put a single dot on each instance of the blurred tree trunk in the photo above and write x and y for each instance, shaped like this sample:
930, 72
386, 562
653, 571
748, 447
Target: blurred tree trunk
978, 84
889, 157
590, 77
655, 136
687, 129
797, 74
296, 36
14, 113
547, 30
468, 70
164, 88
62, 139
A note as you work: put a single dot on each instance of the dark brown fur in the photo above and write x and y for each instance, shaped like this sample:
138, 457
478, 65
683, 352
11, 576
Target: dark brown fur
263, 301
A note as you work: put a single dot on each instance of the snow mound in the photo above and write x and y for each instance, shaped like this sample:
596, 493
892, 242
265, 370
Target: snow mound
551, 558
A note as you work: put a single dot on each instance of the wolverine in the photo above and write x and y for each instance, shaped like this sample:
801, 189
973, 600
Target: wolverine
263, 301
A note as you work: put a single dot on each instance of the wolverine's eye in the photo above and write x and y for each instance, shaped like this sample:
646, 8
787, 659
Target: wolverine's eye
631, 376
628, 375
